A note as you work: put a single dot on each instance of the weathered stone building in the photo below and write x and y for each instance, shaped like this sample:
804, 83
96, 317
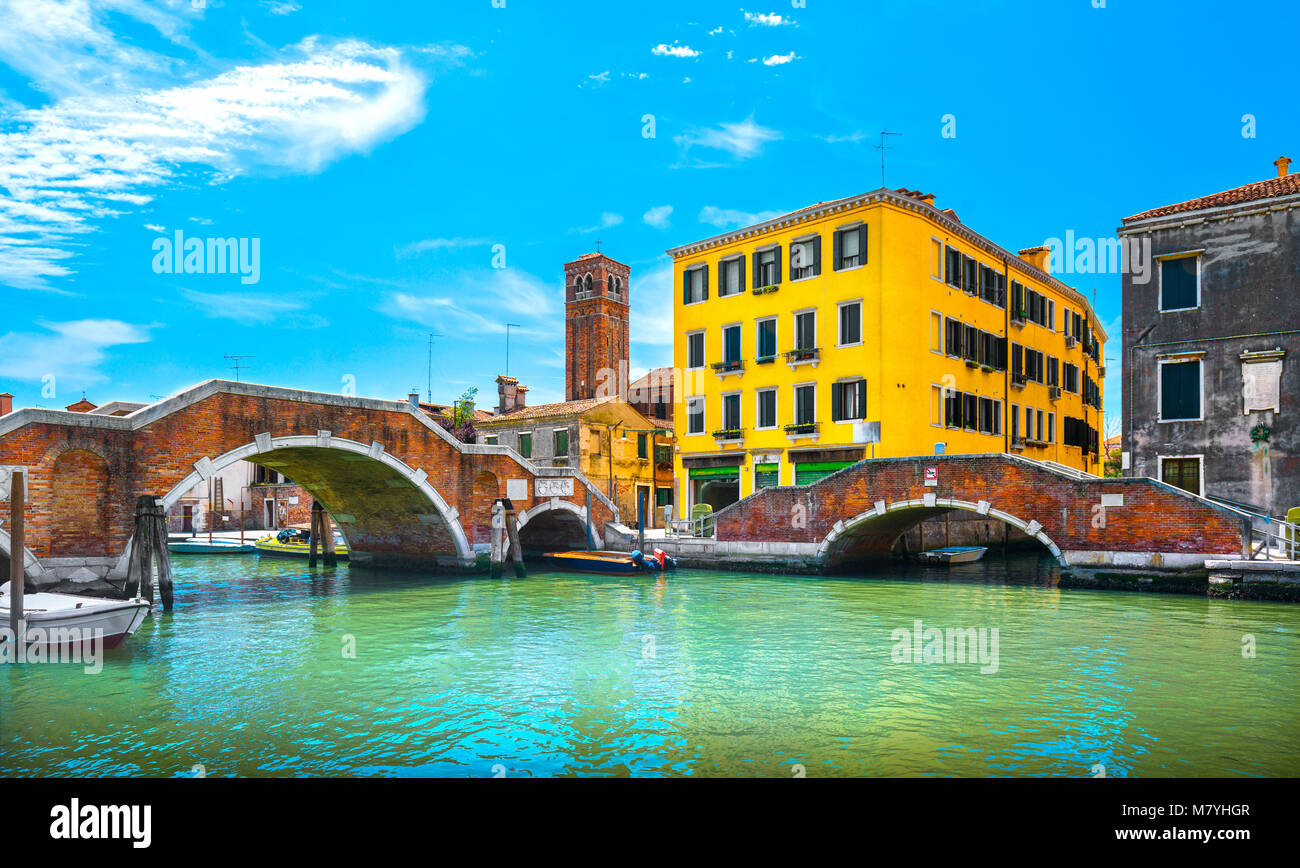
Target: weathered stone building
1212, 345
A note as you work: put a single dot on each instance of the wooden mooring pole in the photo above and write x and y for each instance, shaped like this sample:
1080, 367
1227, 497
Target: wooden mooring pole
514, 551
17, 553
587, 520
327, 539
496, 550
150, 544
315, 533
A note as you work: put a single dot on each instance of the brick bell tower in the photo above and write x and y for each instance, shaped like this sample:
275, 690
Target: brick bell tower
595, 327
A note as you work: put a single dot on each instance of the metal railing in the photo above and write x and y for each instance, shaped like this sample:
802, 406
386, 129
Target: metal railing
1273, 539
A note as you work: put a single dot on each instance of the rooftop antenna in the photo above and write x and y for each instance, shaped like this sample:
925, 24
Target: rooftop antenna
238, 364
882, 147
509, 326
429, 394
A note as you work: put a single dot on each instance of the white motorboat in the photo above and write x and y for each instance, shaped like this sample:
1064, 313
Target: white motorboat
66, 619
199, 545
954, 555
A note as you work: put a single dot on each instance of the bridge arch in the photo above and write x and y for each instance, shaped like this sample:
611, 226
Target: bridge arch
878, 528
390, 491
32, 568
559, 521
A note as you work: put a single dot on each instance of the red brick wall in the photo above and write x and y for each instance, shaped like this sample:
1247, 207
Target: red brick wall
155, 459
1153, 518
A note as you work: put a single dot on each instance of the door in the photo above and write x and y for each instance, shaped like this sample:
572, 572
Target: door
1184, 473
643, 510
187, 519
268, 514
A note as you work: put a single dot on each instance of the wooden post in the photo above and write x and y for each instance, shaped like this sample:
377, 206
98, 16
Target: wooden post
640, 521
17, 554
139, 581
496, 553
158, 530
590, 547
315, 532
241, 520
327, 539
514, 551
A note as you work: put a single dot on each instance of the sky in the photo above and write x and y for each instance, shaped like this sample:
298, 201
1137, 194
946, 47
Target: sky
401, 169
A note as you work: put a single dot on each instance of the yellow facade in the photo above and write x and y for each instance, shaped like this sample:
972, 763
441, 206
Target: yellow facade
903, 353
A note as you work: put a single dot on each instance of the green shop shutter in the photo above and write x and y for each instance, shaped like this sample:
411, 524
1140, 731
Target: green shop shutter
810, 472
725, 474
766, 476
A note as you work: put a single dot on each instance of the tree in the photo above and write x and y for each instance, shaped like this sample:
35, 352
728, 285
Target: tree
459, 417
1114, 464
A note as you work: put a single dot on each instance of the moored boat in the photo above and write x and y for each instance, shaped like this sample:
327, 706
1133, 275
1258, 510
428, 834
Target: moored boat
197, 545
297, 544
66, 619
953, 555
612, 563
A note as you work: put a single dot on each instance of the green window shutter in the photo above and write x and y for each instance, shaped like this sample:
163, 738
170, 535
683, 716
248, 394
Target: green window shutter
705, 283
740, 263
837, 251
686, 286
837, 401
817, 255
862, 243
777, 259
758, 269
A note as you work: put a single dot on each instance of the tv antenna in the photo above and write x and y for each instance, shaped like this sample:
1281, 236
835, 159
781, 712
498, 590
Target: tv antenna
882, 147
238, 364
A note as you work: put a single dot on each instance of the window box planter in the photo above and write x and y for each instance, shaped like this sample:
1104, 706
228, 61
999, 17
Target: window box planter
801, 429
803, 357
765, 360
729, 434
764, 290
971, 363
728, 367
988, 369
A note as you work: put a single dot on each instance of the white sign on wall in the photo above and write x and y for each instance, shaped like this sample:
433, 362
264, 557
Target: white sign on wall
931, 477
517, 489
6, 481
561, 487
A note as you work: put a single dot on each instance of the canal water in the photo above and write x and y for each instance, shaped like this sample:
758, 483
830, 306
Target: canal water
265, 669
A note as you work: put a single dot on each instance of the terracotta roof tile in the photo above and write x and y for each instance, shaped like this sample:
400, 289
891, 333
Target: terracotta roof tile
545, 411
1272, 188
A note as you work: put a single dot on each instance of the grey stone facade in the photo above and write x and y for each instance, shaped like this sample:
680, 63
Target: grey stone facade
1244, 324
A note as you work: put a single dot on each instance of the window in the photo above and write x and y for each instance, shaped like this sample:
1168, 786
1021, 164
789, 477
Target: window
731, 412
767, 267
805, 330
805, 404
1039, 435
1017, 300
1180, 390
1017, 363
641, 446
952, 338
1184, 473
526, 445
766, 408
992, 286
1029, 423
806, 258
1051, 427
1180, 283
952, 268
1015, 423
695, 284
731, 343
936, 259
970, 412
936, 406
597, 441
970, 345
849, 401
850, 323
694, 415
936, 332
992, 351
951, 408
695, 350
1071, 383
969, 275
1053, 371
850, 247
1051, 315
492, 440
767, 338
663, 497
562, 442
990, 416
731, 276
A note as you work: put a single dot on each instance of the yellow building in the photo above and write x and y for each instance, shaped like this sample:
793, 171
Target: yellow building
873, 326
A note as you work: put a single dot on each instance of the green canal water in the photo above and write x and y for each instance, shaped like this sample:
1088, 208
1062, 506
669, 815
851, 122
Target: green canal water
702, 673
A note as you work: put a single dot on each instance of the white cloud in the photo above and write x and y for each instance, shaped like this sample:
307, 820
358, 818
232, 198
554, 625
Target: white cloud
281, 7
154, 227
423, 246
778, 59
715, 31
767, 19
599, 78
481, 302
658, 216
608, 220
67, 350
251, 308
674, 50
84, 157
741, 140
725, 218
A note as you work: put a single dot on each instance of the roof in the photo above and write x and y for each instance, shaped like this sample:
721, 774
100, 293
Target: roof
545, 411
653, 377
1270, 189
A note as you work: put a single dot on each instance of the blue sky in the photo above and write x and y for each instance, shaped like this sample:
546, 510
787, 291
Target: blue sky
384, 153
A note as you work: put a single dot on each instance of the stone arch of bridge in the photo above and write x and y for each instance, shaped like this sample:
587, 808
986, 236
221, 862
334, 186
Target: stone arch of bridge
386, 509
32, 568
875, 531
555, 525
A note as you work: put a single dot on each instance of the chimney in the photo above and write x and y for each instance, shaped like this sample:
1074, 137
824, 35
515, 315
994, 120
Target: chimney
927, 198
1038, 257
6, 404
1283, 166
508, 397
414, 399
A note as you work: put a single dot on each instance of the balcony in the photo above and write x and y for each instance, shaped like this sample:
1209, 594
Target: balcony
729, 435
1018, 381
732, 366
801, 429
765, 360
805, 356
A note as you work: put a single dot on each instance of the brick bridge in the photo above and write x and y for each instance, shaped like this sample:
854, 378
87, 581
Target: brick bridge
859, 513
404, 491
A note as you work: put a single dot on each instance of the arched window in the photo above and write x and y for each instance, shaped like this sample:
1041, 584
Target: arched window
587, 283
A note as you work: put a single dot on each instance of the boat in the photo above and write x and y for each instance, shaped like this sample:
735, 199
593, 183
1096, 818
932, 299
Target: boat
612, 563
953, 555
294, 543
197, 545
67, 619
